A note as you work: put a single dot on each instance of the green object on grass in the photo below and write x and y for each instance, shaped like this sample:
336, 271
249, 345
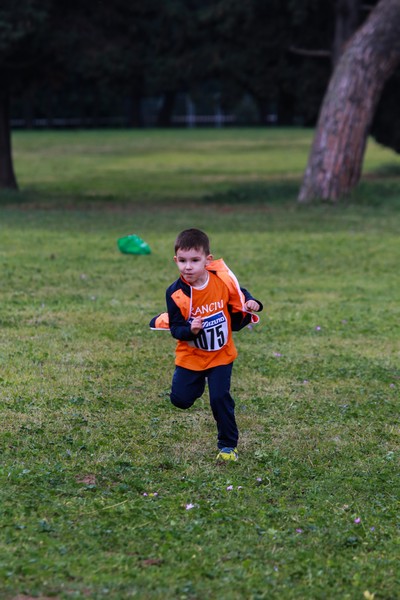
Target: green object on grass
133, 244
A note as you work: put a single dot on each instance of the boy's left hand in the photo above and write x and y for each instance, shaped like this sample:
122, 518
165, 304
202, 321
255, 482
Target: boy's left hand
196, 325
252, 305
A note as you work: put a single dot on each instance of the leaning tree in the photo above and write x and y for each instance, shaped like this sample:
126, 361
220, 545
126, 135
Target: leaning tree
369, 59
22, 24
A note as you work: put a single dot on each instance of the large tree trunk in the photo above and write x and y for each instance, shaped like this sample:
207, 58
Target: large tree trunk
371, 56
7, 176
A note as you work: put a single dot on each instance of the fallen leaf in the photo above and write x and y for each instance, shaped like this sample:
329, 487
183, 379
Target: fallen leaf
86, 479
152, 562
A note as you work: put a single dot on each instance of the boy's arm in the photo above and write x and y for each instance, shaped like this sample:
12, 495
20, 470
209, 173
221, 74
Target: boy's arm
179, 327
238, 320
248, 297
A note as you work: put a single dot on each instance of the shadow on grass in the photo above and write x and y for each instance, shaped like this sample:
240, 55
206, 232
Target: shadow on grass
60, 200
388, 170
14, 197
375, 191
370, 192
256, 193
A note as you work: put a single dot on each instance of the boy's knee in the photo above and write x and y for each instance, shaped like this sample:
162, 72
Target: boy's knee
181, 402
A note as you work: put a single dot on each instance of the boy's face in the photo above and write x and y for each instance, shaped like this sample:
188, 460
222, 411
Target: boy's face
192, 265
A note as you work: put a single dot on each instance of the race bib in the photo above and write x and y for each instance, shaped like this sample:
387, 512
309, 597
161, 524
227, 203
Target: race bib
214, 334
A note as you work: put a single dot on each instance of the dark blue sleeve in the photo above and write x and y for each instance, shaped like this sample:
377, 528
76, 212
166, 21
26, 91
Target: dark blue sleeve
248, 296
238, 320
179, 327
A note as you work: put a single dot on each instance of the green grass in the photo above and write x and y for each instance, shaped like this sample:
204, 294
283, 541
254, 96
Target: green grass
87, 427
141, 166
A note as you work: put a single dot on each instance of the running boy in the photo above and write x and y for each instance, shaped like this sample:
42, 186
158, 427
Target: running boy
204, 306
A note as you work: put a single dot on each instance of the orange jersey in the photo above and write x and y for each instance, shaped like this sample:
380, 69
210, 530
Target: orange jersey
214, 345
221, 305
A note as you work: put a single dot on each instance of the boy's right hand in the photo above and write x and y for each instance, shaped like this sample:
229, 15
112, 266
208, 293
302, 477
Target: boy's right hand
196, 325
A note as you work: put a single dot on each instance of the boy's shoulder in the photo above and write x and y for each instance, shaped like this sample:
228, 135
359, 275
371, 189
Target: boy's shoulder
179, 284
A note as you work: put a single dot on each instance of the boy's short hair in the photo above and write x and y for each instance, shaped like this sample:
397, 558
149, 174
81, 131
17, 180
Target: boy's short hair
192, 238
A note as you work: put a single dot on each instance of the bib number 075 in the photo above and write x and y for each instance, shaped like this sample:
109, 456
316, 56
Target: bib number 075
211, 339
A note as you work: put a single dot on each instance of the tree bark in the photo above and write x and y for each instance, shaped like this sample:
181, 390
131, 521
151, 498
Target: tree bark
370, 57
7, 176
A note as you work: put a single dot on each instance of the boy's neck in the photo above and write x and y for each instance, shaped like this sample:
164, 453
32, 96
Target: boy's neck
202, 282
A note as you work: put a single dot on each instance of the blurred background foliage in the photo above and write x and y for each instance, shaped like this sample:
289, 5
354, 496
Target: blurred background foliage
174, 63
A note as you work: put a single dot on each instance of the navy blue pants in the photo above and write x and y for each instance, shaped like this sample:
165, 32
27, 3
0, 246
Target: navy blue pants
188, 386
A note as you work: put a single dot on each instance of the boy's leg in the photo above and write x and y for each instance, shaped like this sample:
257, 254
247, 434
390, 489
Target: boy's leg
223, 405
187, 386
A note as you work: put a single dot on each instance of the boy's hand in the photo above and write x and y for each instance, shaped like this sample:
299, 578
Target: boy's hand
252, 305
196, 325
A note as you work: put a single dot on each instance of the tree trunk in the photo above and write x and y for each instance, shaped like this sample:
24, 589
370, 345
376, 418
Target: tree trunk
7, 176
371, 56
164, 116
135, 117
261, 110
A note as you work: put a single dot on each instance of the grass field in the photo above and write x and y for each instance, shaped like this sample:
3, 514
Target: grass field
107, 491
